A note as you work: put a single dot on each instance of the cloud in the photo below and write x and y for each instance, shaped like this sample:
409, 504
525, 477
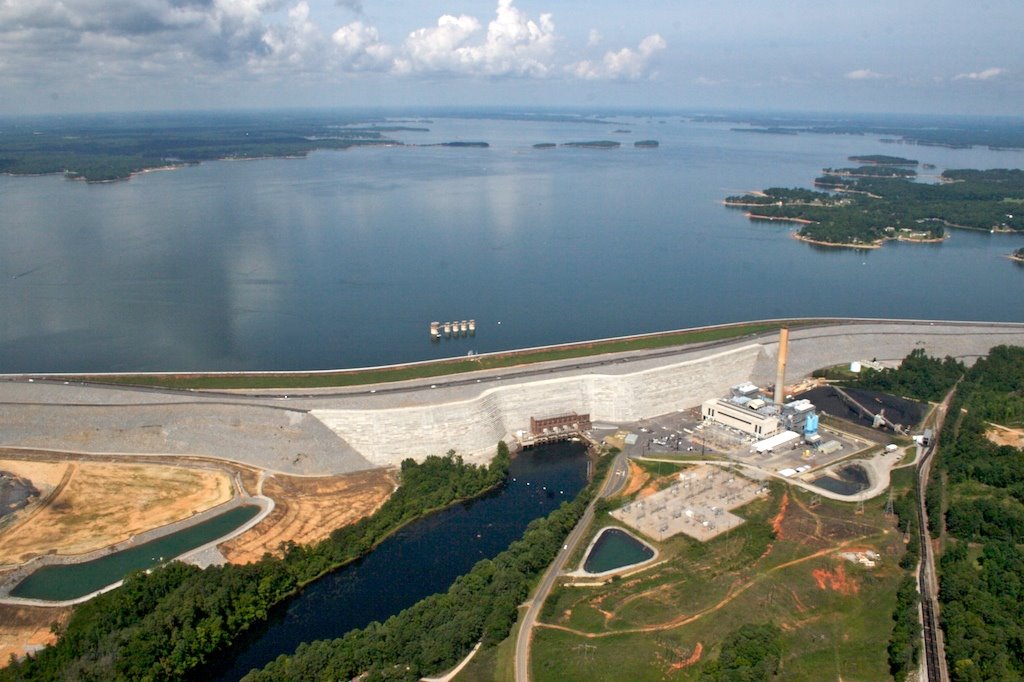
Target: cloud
626, 64
987, 74
513, 45
594, 38
352, 5
865, 75
360, 48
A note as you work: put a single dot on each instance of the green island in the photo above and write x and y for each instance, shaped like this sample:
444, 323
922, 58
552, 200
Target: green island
545, 145
883, 160
166, 623
646, 144
104, 149
866, 209
594, 144
479, 145
1018, 255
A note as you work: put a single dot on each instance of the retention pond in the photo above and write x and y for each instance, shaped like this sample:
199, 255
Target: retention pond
615, 549
71, 581
849, 480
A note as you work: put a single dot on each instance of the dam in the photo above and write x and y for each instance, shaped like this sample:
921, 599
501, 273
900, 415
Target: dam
336, 430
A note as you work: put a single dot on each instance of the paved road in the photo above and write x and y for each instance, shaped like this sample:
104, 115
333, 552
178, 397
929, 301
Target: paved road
617, 476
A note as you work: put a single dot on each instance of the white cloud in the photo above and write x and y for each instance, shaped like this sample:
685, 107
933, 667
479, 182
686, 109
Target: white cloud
360, 48
625, 64
865, 75
513, 45
987, 74
594, 38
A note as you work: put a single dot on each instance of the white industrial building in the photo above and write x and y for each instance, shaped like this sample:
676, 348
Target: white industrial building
746, 411
749, 415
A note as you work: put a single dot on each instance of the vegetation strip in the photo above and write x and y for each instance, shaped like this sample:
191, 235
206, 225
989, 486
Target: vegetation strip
501, 360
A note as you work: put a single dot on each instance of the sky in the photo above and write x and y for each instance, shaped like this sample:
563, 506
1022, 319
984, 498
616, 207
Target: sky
913, 56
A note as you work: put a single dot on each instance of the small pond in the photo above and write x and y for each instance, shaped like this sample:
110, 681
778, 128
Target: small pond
616, 549
70, 581
848, 480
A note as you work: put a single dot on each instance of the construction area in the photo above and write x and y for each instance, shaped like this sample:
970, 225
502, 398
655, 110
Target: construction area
698, 505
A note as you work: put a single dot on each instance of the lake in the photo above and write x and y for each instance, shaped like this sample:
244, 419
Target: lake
344, 258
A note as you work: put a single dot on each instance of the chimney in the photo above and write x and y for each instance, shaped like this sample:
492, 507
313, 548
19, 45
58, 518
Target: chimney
780, 376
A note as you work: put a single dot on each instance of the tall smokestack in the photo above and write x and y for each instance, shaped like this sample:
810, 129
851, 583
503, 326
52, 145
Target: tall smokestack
780, 376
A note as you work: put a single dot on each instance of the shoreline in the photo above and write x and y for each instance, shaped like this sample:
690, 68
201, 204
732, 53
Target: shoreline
838, 245
781, 219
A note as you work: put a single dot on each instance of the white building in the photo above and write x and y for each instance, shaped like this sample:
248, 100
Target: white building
749, 416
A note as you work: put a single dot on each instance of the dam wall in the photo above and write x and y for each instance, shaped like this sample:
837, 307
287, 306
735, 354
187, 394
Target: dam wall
472, 426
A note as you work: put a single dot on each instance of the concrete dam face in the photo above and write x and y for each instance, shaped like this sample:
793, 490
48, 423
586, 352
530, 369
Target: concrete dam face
471, 419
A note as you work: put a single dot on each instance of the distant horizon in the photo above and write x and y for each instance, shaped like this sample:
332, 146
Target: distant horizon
728, 114
802, 55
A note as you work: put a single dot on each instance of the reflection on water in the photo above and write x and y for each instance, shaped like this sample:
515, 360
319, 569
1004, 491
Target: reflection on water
343, 258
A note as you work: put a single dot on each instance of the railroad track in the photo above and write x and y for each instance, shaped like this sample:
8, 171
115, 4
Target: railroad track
935, 664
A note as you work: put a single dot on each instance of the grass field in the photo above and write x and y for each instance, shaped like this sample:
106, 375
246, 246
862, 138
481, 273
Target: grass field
361, 377
781, 566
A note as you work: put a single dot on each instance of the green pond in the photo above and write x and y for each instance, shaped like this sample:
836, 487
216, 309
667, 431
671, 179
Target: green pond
70, 581
616, 549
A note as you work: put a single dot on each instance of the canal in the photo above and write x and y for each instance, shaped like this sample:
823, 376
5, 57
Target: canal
71, 581
423, 558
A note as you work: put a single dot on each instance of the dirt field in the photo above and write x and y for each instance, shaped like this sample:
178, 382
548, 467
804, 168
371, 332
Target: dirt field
88, 505
27, 626
308, 509
1001, 435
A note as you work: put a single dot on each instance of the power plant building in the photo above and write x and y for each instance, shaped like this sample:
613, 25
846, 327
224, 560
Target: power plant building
749, 415
746, 411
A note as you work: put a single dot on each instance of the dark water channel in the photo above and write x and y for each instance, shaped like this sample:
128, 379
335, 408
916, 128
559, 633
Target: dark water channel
421, 559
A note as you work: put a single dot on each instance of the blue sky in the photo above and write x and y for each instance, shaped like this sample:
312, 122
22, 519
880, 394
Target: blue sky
943, 56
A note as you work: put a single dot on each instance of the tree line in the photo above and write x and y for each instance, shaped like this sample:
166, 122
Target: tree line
167, 623
437, 632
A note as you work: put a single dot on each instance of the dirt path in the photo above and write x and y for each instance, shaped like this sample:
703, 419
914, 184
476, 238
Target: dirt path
684, 619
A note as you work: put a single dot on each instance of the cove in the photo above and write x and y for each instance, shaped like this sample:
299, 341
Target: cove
615, 549
70, 581
421, 559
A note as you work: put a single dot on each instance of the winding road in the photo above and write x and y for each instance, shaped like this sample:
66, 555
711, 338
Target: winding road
617, 475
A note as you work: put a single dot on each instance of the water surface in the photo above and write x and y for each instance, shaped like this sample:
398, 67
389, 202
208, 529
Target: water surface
344, 258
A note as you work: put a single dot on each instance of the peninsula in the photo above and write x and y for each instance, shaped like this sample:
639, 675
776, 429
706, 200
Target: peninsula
872, 204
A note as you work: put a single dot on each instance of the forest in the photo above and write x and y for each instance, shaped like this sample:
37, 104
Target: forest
435, 633
981, 487
868, 208
167, 623
103, 149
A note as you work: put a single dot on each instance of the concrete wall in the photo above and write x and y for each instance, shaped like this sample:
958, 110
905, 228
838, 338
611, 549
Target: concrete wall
472, 426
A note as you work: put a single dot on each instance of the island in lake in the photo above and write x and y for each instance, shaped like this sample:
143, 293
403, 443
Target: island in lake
594, 144
1018, 255
870, 205
477, 145
545, 145
645, 144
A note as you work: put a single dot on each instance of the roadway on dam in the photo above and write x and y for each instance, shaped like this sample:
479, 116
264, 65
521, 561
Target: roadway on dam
286, 431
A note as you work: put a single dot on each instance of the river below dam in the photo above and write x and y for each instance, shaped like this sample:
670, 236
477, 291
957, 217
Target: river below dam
423, 558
